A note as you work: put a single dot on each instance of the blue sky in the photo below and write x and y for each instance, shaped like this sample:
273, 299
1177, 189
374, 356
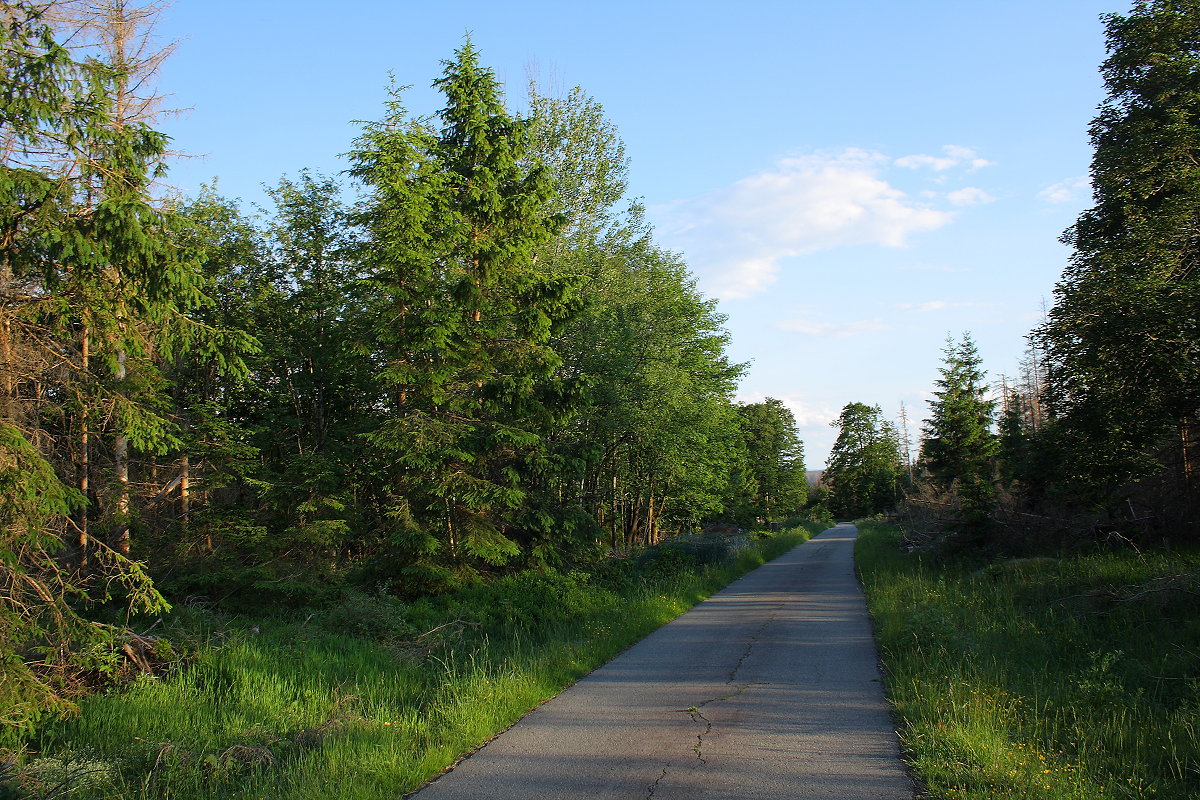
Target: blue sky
853, 181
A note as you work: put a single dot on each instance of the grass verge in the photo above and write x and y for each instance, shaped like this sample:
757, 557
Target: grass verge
1074, 678
356, 702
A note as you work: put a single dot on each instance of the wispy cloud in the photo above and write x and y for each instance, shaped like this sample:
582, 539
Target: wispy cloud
969, 196
952, 156
737, 237
837, 330
1072, 190
937, 305
931, 305
807, 414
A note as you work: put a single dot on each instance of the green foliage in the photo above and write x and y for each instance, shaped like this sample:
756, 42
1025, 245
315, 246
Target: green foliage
1121, 336
95, 290
46, 642
958, 447
864, 470
463, 315
1043, 677
287, 708
773, 479
464, 387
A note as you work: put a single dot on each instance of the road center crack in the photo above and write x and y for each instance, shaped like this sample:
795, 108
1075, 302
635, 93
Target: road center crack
694, 711
652, 788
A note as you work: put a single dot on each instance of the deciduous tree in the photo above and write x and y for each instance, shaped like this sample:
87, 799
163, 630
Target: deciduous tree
864, 466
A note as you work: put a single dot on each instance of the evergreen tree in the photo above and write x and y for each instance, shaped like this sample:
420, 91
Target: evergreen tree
775, 459
958, 446
1122, 338
465, 318
91, 283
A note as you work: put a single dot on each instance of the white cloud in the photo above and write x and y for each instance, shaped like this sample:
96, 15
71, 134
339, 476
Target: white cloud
806, 414
969, 196
932, 305
835, 330
1072, 190
935, 305
952, 156
735, 238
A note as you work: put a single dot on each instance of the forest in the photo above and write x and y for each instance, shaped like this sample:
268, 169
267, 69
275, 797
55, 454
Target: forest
460, 389
465, 359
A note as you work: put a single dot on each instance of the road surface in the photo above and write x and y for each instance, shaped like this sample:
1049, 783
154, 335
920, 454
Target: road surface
768, 690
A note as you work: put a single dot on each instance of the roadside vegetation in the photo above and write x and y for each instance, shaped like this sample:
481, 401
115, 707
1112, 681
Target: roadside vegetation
370, 697
466, 375
342, 488
1074, 677
1037, 604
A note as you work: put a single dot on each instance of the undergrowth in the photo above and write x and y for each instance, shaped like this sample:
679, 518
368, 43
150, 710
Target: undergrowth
1075, 678
369, 698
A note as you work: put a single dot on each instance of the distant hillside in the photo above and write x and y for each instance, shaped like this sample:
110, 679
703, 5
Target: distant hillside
814, 476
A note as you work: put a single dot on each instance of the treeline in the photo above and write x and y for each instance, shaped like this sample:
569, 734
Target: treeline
1097, 434
472, 358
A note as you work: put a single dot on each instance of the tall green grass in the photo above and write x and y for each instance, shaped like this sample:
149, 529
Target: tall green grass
354, 702
1074, 678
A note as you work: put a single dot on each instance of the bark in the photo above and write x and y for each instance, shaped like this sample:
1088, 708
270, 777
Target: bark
1186, 444
121, 457
185, 487
84, 445
7, 363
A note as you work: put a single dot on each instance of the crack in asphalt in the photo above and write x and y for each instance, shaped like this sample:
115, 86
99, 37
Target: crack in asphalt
750, 646
694, 711
697, 717
654, 786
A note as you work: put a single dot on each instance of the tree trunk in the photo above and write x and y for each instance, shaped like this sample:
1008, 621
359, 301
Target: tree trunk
651, 522
8, 363
1185, 441
84, 444
185, 490
615, 516
121, 457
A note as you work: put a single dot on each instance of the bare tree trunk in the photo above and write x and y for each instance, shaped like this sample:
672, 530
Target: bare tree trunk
652, 521
906, 442
616, 514
84, 445
451, 538
121, 456
8, 364
1186, 448
185, 488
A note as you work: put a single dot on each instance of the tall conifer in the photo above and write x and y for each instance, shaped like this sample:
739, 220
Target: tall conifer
1122, 336
456, 214
959, 446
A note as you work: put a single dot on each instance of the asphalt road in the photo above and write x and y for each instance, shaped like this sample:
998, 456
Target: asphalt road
768, 690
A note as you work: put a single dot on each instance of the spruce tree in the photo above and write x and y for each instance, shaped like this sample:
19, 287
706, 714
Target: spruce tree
1122, 337
775, 458
456, 214
959, 447
82, 259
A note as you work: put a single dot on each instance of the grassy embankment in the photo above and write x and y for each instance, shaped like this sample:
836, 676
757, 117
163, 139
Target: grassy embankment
1074, 678
368, 699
